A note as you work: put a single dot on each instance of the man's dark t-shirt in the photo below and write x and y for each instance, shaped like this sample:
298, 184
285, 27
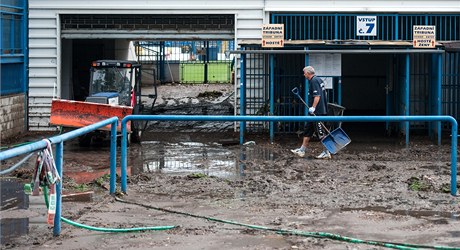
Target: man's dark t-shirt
317, 88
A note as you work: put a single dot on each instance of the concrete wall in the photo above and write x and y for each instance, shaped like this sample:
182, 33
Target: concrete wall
12, 110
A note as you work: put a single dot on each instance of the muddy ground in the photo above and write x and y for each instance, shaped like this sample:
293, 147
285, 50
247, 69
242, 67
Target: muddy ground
376, 189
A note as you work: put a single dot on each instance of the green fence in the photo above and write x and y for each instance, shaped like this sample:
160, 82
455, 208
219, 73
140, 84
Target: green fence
195, 72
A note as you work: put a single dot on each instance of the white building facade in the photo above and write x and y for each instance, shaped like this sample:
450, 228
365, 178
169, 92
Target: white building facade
58, 36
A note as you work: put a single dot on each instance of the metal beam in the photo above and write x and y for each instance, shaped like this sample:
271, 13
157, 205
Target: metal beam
340, 51
149, 36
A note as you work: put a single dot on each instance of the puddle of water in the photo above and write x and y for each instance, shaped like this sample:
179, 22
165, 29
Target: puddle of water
11, 228
20, 210
454, 215
191, 157
12, 197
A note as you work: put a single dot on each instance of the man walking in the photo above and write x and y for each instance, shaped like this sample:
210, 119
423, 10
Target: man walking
317, 103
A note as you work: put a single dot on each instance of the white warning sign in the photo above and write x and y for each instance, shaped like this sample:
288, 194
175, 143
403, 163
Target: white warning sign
273, 36
424, 36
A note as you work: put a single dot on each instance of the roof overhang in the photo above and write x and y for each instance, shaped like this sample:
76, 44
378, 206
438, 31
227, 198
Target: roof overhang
375, 44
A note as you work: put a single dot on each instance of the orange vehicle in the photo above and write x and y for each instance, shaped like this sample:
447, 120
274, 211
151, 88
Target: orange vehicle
114, 90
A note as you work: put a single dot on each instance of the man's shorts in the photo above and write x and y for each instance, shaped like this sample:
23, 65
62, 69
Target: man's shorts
312, 127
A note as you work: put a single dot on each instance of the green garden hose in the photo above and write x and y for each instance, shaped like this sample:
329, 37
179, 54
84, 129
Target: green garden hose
300, 233
100, 229
115, 230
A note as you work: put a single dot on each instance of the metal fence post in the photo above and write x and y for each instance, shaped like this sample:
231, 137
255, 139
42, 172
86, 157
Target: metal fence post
113, 156
58, 161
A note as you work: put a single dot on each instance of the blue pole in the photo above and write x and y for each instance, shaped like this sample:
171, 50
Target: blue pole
58, 161
453, 166
305, 95
336, 26
339, 91
432, 98
272, 95
242, 95
113, 156
124, 158
406, 97
439, 97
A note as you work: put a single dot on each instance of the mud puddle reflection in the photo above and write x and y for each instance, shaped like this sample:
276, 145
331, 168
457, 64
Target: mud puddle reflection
12, 197
22, 213
211, 159
439, 217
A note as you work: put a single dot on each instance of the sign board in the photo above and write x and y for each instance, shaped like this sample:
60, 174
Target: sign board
327, 82
366, 25
424, 36
326, 64
272, 35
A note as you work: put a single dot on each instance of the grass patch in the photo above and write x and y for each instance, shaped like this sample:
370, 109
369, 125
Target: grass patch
102, 179
419, 184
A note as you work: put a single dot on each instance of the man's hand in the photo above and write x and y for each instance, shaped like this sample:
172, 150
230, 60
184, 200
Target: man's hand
311, 110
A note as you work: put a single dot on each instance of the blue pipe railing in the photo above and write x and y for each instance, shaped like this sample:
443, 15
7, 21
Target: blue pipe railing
124, 159
59, 155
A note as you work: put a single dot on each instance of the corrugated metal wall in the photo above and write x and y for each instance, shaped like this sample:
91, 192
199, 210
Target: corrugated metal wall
46, 34
44, 61
13, 46
13, 68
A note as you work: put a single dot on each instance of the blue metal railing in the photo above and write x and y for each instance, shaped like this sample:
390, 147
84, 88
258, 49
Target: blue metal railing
59, 141
243, 119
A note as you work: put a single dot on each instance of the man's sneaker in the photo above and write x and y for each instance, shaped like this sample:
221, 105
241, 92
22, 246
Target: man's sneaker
298, 152
324, 155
